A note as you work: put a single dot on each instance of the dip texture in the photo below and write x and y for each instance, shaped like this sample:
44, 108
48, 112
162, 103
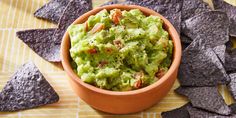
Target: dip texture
120, 50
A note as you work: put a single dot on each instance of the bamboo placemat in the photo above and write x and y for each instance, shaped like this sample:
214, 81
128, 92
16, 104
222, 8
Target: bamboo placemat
18, 15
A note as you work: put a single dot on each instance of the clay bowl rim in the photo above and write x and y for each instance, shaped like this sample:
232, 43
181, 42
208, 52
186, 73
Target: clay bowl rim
175, 61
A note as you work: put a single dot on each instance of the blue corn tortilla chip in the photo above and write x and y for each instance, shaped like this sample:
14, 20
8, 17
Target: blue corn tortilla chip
232, 85
73, 10
52, 11
231, 12
180, 112
170, 9
200, 66
212, 26
41, 42
111, 2
207, 98
193, 7
26, 89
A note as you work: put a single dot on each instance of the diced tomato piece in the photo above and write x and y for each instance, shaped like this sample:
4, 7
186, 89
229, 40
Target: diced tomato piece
97, 28
138, 84
92, 51
102, 63
117, 43
116, 16
160, 73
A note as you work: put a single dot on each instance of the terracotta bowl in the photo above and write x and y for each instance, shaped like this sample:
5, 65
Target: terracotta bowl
123, 102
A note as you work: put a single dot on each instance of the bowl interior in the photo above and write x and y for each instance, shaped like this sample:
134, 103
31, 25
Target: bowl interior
65, 46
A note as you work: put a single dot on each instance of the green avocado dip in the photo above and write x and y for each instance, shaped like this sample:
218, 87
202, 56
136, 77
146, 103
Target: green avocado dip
120, 50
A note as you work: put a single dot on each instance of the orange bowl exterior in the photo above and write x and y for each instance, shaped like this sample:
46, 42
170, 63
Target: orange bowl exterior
129, 101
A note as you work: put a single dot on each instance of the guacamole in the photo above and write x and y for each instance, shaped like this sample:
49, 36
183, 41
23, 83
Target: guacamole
120, 50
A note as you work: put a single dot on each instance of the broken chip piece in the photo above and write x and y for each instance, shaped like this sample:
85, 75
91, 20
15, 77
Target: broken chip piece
73, 10
52, 11
212, 26
170, 9
180, 112
40, 41
231, 12
26, 89
207, 98
201, 67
